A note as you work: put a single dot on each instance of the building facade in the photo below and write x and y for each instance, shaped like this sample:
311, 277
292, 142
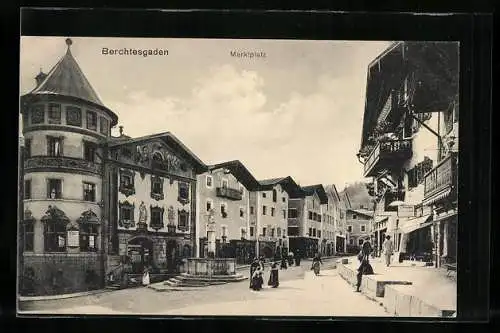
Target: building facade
359, 225
339, 226
64, 126
91, 201
225, 190
409, 148
306, 220
151, 189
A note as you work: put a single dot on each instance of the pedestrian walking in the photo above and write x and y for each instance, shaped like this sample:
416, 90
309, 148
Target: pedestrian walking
253, 267
145, 277
366, 249
290, 258
297, 257
388, 248
364, 269
257, 280
284, 263
316, 263
274, 276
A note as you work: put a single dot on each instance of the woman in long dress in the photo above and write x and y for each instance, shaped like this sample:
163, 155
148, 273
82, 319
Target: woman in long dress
284, 263
257, 280
274, 277
145, 277
253, 266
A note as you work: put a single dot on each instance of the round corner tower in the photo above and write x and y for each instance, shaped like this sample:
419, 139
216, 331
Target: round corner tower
65, 127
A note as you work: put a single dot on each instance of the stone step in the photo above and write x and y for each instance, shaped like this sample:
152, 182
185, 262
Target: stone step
113, 287
221, 278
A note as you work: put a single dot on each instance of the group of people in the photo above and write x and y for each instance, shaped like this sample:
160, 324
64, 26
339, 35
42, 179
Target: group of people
365, 268
257, 270
257, 274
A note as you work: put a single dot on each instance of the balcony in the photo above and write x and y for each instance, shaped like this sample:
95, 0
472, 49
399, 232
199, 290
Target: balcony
441, 182
229, 193
52, 163
387, 154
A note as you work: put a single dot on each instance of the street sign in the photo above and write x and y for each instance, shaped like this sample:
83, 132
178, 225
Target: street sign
406, 211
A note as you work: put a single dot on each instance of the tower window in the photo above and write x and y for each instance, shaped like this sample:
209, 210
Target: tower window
54, 113
89, 151
54, 146
91, 120
73, 116
89, 192
54, 189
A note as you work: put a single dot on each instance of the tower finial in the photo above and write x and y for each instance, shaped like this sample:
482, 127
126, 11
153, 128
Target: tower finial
69, 42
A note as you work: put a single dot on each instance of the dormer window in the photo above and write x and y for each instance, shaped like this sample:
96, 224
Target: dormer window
54, 113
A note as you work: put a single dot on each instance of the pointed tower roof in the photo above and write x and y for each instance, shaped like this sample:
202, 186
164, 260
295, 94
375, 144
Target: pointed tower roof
67, 79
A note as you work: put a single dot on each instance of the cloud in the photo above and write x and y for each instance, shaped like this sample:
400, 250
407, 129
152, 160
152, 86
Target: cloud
226, 117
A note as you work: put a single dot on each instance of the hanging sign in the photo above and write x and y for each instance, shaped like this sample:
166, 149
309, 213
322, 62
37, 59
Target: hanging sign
73, 238
406, 211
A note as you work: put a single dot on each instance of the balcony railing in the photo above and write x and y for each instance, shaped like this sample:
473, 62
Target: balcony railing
387, 154
229, 193
63, 162
441, 179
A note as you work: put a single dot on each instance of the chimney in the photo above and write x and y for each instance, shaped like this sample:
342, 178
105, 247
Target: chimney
121, 130
40, 77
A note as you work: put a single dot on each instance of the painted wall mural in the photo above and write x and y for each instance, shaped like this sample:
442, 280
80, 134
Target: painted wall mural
154, 155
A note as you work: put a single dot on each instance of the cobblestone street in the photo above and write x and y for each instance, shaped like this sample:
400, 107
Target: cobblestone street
299, 293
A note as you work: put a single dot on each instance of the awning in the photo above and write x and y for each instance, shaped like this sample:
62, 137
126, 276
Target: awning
436, 197
379, 219
444, 216
415, 224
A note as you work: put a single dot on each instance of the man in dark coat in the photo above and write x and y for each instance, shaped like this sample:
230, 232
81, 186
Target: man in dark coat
364, 269
366, 249
253, 266
297, 256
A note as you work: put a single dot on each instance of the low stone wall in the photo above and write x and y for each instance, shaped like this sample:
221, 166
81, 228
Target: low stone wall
399, 302
60, 273
211, 266
372, 285
397, 297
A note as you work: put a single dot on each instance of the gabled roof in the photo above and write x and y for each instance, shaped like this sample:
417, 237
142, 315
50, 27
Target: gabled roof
288, 184
241, 173
170, 140
365, 212
332, 190
319, 190
344, 197
67, 79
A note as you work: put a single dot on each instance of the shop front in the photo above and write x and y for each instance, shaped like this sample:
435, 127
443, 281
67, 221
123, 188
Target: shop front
416, 239
244, 251
159, 253
307, 247
267, 247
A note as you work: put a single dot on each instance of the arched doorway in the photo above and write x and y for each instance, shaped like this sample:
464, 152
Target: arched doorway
140, 252
267, 252
172, 256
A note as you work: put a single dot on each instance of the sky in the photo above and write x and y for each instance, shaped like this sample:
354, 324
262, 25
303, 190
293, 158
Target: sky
296, 112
